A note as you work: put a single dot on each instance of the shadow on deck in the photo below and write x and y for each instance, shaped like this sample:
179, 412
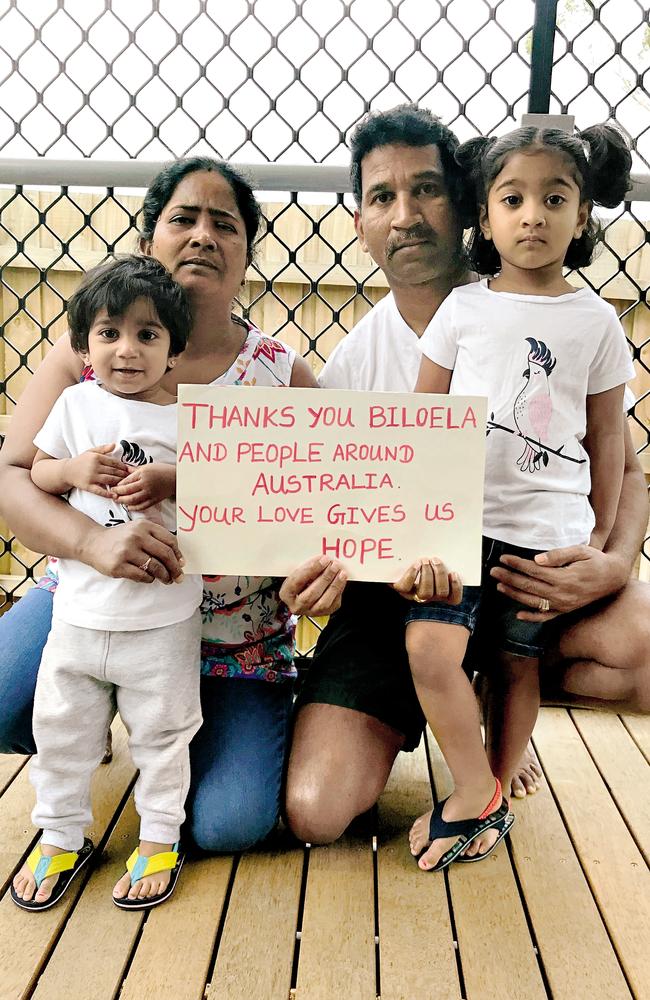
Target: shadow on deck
563, 911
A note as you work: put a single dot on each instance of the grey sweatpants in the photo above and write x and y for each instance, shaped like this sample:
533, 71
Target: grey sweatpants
152, 678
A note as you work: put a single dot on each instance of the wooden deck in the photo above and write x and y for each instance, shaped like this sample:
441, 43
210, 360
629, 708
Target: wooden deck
563, 912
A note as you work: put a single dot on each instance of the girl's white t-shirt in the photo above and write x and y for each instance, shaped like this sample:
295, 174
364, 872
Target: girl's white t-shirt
536, 358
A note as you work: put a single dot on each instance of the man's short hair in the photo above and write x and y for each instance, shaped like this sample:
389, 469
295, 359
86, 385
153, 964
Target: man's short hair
407, 125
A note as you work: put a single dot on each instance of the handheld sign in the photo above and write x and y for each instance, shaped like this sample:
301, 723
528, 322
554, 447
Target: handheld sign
269, 477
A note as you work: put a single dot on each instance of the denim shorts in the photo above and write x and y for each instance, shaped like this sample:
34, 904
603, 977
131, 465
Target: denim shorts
488, 615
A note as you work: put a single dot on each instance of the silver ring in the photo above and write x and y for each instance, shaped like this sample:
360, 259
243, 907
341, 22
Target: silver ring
145, 565
544, 604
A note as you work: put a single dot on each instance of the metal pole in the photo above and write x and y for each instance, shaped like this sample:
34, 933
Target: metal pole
541, 58
140, 173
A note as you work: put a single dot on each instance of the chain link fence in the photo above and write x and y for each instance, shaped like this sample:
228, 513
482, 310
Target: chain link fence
272, 83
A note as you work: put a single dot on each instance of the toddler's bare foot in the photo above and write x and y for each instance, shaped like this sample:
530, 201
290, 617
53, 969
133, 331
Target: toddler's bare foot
148, 885
25, 884
528, 776
461, 804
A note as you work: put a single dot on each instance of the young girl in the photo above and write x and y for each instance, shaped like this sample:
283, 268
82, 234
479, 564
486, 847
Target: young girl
115, 642
553, 361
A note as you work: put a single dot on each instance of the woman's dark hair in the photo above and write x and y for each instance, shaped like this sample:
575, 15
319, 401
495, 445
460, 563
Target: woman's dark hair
167, 180
408, 125
601, 164
116, 284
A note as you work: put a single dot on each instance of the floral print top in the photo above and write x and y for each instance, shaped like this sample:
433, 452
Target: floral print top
247, 630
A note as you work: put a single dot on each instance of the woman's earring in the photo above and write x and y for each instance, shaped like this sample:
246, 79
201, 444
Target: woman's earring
171, 362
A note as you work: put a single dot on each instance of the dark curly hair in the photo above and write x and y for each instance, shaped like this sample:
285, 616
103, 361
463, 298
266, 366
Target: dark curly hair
408, 125
167, 180
601, 164
116, 284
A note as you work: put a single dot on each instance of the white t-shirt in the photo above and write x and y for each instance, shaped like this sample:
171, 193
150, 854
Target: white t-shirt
536, 358
86, 416
381, 353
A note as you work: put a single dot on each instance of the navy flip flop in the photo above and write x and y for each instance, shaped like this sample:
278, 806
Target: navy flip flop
503, 828
465, 830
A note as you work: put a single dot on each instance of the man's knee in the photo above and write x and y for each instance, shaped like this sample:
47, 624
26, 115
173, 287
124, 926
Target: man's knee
616, 635
311, 819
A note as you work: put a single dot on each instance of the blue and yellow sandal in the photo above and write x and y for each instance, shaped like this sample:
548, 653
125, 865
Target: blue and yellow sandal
139, 866
66, 866
465, 830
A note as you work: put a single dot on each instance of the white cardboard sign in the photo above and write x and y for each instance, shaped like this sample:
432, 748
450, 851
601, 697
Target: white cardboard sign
269, 477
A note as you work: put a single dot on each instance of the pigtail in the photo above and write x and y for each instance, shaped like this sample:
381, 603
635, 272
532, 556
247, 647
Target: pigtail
610, 163
470, 157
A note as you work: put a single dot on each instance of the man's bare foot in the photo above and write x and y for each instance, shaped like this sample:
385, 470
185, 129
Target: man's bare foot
25, 884
461, 804
149, 885
528, 776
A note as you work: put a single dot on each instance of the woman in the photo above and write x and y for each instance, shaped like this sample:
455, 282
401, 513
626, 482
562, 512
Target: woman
200, 219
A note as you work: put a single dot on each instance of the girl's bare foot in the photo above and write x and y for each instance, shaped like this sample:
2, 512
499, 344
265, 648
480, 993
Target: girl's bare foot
25, 884
148, 885
461, 804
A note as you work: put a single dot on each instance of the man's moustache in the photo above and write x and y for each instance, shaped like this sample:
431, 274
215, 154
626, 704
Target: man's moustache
421, 234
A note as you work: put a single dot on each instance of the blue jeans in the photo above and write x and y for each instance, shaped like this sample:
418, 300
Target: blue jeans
237, 756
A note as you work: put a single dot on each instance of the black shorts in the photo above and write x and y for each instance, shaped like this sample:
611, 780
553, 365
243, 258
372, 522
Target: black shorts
360, 661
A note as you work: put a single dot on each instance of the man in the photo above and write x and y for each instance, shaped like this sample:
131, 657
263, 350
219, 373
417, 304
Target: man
358, 707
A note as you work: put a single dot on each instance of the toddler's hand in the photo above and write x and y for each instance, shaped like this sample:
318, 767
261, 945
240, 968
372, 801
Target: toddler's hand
145, 486
429, 580
95, 471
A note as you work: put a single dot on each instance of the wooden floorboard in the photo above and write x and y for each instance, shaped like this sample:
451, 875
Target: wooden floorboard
612, 863
563, 912
623, 769
486, 902
638, 726
257, 947
337, 946
416, 939
574, 948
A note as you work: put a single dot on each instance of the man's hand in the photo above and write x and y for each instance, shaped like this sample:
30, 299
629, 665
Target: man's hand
315, 588
145, 486
428, 580
568, 579
95, 471
138, 550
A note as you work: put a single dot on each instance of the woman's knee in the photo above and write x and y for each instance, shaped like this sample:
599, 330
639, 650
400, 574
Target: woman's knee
23, 633
223, 827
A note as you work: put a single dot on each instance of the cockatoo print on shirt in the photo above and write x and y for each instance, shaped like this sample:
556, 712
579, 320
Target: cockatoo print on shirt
533, 406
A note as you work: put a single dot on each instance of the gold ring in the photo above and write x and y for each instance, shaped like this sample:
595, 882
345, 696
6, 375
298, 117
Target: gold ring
544, 604
145, 565
418, 599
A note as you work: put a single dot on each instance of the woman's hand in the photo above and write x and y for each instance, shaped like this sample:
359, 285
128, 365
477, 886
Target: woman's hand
567, 579
145, 486
95, 471
138, 550
315, 588
429, 580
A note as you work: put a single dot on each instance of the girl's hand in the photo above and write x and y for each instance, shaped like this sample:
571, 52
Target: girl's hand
315, 588
145, 486
95, 471
429, 580
124, 551
568, 579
